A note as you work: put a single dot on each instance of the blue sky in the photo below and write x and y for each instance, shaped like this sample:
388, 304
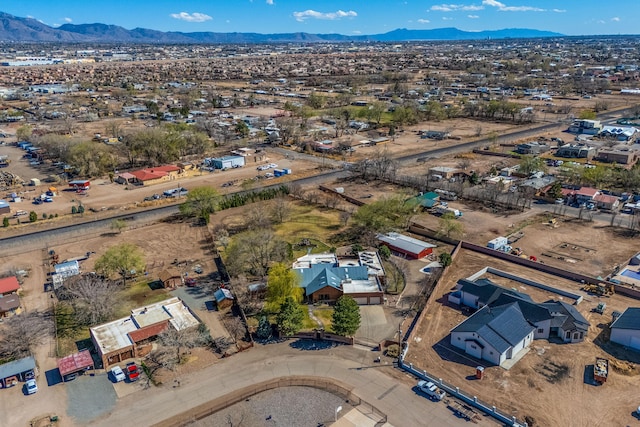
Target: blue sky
572, 17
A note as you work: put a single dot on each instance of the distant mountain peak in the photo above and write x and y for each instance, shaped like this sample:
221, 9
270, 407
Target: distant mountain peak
14, 28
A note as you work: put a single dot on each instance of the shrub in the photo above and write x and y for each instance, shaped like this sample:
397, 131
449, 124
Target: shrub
393, 350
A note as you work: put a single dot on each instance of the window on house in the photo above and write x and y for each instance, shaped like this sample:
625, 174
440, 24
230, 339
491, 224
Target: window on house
458, 338
491, 352
567, 335
473, 347
541, 331
576, 335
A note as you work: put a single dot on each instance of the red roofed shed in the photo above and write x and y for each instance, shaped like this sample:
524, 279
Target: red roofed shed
9, 285
75, 363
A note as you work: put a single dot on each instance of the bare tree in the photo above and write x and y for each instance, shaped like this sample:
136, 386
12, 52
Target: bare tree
91, 298
280, 210
182, 340
23, 332
236, 327
344, 217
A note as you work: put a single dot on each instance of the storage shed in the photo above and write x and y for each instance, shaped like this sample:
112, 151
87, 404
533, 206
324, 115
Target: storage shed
9, 285
223, 297
74, 364
170, 278
17, 370
405, 245
227, 162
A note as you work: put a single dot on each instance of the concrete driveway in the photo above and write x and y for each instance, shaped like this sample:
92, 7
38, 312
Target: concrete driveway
89, 397
376, 324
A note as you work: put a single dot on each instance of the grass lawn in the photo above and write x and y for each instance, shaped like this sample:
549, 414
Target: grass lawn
309, 222
139, 294
68, 331
325, 315
308, 323
395, 282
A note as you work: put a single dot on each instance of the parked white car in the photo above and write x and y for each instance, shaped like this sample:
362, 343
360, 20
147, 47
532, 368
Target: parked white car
118, 374
31, 386
273, 165
431, 390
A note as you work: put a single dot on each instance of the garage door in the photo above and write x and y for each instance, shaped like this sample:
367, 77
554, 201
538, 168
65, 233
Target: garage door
362, 300
375, 300
634, 343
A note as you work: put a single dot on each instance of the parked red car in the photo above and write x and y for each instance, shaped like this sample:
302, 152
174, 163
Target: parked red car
190, 282
132, 371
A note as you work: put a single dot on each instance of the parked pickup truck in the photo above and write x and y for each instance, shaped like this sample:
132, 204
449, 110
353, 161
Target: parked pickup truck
132, 371
431, 390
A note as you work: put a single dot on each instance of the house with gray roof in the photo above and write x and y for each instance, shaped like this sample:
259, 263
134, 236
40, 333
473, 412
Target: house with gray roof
494, 334
17, 370
507, 321
625, 330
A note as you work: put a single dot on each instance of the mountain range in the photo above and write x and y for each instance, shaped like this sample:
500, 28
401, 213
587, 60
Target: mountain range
17, 29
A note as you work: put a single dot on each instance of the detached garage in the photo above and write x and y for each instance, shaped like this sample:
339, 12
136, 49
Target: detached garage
406, 246
626, 329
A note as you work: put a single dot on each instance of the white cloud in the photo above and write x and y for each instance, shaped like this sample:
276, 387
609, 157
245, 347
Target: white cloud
270, 2
615, 19
504, 8
454, 7
423, 21
191, 17
302, 16
356, 32
444, 18
559, 10
68, 20
473, 16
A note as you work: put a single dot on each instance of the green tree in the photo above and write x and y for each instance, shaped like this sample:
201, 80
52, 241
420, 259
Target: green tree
530, 164
24, 133
201, 203
316, 101
449, 226
346, 316
264, 328
474, 179
118, 225
384, 215
385, 252
282, 283
124, 260
33, 217
290, 317
555, 191
445, 259
242, 129
5, 222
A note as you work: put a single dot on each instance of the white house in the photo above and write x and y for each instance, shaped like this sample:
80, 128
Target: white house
507, 321
494, 334
625, 330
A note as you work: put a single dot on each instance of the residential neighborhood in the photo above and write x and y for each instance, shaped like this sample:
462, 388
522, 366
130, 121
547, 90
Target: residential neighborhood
391, 233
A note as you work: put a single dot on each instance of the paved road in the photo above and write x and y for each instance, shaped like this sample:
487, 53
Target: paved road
620, 220
348, 365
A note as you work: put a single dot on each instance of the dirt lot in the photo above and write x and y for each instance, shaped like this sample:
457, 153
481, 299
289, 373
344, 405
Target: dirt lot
540, 384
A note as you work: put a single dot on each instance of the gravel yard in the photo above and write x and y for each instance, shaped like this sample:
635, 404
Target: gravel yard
280, 407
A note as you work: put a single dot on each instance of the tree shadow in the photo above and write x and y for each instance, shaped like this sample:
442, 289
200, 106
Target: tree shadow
311, 345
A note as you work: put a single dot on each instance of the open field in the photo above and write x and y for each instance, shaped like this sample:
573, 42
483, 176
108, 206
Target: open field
551, 382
